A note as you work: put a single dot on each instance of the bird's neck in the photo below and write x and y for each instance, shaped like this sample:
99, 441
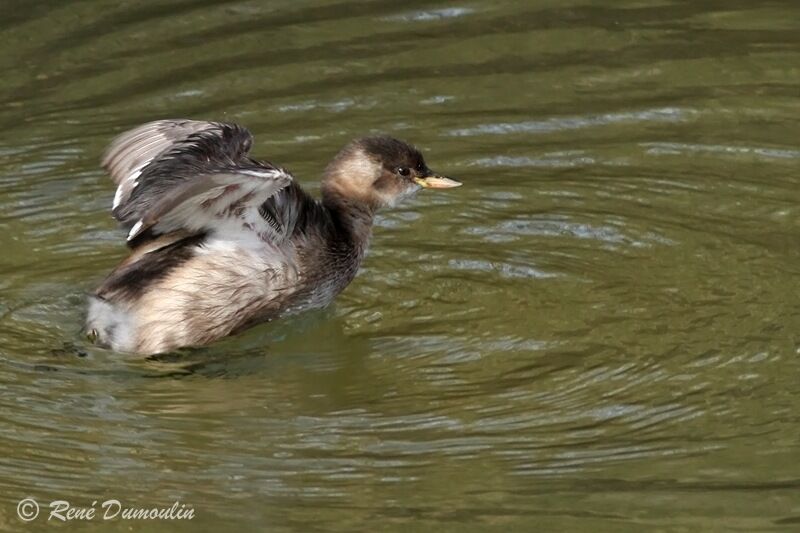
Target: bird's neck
352, 218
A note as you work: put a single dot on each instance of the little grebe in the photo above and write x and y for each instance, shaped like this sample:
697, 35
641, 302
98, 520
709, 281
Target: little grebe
220, 242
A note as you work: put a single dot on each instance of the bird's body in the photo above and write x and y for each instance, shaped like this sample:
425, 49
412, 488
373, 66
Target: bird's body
220, 242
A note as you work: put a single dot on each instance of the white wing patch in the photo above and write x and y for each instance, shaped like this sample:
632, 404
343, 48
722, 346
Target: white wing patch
127, 185
135, 230
117, 198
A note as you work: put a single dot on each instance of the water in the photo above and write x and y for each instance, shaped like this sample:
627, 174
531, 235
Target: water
598, 332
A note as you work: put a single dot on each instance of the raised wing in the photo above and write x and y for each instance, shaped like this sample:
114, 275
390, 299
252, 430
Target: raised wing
131, 152
192, 176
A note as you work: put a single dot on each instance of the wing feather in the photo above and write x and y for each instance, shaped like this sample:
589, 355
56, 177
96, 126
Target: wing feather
192, 176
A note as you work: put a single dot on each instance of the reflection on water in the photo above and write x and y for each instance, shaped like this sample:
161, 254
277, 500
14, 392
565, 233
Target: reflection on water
597, 332
575, 123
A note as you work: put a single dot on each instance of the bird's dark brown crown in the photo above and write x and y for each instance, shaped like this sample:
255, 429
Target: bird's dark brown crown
392, 153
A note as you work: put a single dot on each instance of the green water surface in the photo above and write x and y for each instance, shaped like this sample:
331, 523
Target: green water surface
599, 332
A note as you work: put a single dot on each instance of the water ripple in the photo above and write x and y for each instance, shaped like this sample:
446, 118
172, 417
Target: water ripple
433, 14
666, 114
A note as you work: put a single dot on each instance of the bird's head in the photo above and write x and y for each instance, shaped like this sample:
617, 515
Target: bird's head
379, 172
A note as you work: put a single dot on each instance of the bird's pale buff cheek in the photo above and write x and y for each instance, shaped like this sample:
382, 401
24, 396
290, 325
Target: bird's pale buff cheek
353, 177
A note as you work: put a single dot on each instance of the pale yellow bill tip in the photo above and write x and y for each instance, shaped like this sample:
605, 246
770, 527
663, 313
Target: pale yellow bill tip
438, 182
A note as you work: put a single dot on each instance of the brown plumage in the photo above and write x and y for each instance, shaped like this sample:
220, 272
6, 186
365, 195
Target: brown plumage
220, 242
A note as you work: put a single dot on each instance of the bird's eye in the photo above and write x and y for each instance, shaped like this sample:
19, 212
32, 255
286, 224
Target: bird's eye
403, 171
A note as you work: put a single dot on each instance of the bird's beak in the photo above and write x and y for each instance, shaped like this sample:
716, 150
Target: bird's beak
434, 181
